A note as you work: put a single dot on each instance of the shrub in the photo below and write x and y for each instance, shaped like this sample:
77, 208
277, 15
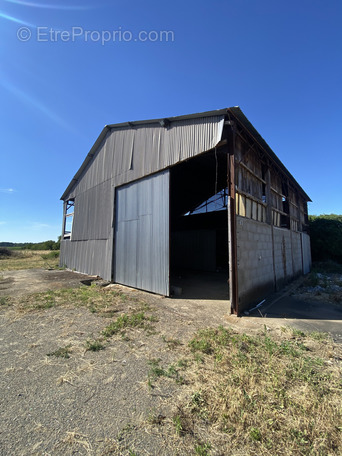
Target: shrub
5, 252
326, 237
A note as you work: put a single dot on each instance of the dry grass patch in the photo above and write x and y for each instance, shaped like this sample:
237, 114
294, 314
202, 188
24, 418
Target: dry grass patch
29, 259
261, 396
98, 300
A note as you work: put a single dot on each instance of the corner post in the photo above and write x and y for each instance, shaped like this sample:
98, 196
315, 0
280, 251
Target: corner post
232, 247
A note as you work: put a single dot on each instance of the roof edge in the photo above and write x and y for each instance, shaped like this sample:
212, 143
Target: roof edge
88, 158
74, 180
217, 112
235, 111
242, 119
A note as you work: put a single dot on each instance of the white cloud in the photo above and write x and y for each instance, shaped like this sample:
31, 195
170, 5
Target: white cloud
2, 223
7, 190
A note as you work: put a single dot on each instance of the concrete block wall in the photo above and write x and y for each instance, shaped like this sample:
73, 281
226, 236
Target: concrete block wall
305, 238
267, 261
282, 255
297, 253
255, 260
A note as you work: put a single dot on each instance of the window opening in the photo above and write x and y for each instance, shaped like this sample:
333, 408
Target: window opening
217, 202
68, 219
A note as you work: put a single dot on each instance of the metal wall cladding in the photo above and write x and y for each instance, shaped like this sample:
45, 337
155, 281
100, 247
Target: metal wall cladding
142, 234
91, 257
127, 154
93, 213
130, 153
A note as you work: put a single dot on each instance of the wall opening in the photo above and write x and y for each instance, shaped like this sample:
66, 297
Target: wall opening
199, 227
68, 218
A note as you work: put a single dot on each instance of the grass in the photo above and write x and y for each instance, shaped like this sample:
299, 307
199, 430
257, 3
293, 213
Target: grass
260, 395
157, 371
100, 301
51, 255
202, 449
178, 424
61, 352
95, 345
134, 320
4, 301
29, 259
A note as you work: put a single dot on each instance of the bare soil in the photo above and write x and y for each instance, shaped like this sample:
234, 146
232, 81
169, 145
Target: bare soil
21, 282
96, 403
93, 403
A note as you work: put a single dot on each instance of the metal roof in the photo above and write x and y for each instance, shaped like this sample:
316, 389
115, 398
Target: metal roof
236, 113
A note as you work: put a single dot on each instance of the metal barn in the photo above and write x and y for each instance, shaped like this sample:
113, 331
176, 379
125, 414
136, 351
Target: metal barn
197, 201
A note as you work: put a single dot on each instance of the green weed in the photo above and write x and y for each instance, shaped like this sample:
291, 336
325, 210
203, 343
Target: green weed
157, 371
177, 422
4, 301
203, 449
94, 345
62, 352
51, 255
125, 321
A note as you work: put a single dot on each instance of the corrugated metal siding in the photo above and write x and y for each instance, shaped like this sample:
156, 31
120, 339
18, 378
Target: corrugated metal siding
128, 154
90, 257
93, 213
142, 234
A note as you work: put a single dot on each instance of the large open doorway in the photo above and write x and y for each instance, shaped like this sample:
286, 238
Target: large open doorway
199, 227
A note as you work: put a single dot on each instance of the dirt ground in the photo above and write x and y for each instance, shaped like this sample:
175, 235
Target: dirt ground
95, 403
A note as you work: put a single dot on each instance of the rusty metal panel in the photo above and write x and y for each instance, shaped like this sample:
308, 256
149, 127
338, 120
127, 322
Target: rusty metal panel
141, 257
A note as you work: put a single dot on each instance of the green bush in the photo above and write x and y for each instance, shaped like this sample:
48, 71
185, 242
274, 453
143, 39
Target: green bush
326, 237
51, 255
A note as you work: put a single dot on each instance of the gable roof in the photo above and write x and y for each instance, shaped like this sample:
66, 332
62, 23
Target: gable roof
237, 114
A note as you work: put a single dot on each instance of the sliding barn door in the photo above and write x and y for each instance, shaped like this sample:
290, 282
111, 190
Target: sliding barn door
141, 258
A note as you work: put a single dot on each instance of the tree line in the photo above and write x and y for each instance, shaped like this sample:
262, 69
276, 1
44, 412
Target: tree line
45, 245
325, 233
326, 237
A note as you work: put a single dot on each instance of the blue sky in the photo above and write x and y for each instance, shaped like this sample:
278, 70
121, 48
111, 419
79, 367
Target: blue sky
59, 85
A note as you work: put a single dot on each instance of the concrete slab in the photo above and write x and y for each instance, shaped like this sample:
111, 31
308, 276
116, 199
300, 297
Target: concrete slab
302, 314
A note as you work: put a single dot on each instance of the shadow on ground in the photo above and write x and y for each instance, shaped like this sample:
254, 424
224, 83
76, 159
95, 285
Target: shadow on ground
303, 314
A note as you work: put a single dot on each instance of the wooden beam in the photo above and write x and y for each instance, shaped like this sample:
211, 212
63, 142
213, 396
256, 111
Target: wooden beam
252, 172
268, 197
248, 195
